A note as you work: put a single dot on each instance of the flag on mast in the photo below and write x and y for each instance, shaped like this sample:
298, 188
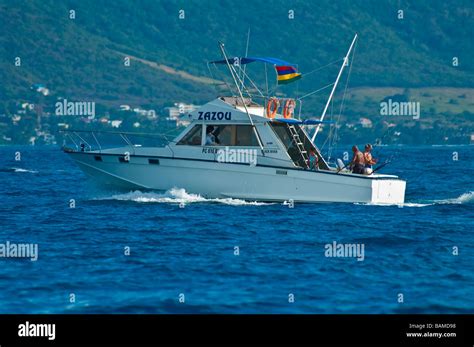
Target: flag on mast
287, 74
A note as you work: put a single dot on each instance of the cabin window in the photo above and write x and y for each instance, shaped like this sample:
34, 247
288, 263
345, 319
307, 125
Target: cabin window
193, 137
97, 158
283, 134
154, 161
231, 135
245, 136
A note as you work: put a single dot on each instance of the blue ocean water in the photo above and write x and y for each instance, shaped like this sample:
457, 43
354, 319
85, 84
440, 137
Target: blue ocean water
190, 250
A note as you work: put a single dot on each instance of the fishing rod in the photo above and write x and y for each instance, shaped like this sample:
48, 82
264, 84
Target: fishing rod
339, 170
381, 166
388, 161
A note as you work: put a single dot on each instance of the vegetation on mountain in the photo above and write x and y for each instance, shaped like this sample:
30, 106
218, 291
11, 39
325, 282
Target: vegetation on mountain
78, 49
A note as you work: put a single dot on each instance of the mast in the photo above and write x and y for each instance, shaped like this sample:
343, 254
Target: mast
233, 73
344, 63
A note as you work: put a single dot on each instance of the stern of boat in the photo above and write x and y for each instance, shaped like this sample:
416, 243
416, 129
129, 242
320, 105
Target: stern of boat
388, 191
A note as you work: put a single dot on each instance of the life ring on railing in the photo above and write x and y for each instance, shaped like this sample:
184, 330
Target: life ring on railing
272, 107
289, 108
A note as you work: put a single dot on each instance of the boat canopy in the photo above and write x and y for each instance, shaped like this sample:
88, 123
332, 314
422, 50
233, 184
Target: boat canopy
248, 60
300, 122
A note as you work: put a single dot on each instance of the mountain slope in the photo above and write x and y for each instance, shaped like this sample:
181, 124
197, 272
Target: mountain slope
77, 56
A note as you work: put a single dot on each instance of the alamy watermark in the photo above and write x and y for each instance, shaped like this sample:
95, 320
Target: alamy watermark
400, 108
240, 155
345, 250
75, 108
28, 329
19, 250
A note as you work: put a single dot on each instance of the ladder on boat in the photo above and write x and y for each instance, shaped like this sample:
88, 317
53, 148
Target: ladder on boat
299, 145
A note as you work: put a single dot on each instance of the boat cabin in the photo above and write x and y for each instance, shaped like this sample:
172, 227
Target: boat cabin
224, 124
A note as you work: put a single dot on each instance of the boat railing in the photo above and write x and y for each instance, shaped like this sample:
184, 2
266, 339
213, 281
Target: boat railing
98, 141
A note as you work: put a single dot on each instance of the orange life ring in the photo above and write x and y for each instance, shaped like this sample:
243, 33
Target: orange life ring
272, 107
289, 108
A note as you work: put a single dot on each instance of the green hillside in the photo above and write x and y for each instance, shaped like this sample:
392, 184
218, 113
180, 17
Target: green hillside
83, 58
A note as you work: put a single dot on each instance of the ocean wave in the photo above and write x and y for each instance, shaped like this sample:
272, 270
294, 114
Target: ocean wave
17, 169
176, 196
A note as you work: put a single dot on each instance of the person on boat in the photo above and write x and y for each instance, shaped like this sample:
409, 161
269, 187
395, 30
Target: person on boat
210, 138
369, 160
313, 159
358, 161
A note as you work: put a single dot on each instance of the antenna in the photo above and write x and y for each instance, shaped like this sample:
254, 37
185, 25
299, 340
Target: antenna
344, 63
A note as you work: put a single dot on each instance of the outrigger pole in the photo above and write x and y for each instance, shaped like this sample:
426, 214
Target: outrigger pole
232, 71
344, 63
246, 54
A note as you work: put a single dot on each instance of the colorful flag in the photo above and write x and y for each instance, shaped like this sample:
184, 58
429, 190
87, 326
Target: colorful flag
287, 74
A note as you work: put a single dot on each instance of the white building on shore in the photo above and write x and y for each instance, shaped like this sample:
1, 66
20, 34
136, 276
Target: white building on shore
179, 113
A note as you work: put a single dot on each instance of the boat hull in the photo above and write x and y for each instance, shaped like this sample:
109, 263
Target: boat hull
233, 180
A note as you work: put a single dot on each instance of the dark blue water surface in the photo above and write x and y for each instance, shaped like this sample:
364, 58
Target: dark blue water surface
190, 250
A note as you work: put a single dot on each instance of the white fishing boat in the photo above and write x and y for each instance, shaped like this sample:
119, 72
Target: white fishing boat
237, 148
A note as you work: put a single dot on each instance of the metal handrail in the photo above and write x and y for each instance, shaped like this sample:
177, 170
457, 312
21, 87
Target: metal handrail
72, 133
106, 132
72, 139
125, 138
84, 141
98, 143
115, 133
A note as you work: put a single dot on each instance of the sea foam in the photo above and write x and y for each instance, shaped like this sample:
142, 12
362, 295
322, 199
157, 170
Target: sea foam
176, 196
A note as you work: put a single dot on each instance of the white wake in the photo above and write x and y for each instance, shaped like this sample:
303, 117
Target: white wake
176, 196
466, 198
17, 169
